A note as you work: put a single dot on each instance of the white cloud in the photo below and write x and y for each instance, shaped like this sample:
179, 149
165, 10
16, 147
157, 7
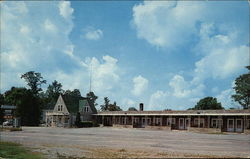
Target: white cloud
127, 102
158, 100
166, 23
104, 75
222, 63
182, 88
91, 33
140, 85
65, 10
32, 41
49, 26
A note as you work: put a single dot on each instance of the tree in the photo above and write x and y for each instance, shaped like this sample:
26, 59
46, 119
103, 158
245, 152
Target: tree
54, 90
106, 104
34, 81
109, 107
242, 90
92, 97
207, 103
114, 107
78, 120
132, 109
1, 110
75, 93
28, 105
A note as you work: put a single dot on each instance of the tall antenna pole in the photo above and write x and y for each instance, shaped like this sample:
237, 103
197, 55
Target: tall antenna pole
90, 77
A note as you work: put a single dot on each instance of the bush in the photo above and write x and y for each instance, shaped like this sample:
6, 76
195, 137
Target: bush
86, 124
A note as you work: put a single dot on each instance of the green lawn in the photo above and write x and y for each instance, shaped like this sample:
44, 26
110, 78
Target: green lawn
16, 151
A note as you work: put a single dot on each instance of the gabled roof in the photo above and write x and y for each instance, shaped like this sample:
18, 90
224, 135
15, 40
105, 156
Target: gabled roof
72, 103
87, 101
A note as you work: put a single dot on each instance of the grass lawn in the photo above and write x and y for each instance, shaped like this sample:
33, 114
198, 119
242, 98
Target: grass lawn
16, 151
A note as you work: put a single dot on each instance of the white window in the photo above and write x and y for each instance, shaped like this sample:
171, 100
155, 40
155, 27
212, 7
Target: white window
158, 121
59, 108
168, 121
86, 109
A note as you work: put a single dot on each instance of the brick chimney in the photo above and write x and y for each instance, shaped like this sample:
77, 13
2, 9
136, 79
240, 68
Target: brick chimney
141, 107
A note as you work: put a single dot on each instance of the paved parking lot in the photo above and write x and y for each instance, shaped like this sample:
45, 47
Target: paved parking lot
79, 142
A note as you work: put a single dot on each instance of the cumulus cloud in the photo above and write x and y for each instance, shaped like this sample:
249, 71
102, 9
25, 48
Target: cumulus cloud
65, 10
166, 23
91, 33
32, 45
140, 85
158, 100
182, 88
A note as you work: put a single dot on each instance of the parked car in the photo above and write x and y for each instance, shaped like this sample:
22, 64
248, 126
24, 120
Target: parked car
7, 123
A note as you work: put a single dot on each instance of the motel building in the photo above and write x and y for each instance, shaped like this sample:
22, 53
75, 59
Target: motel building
192, 120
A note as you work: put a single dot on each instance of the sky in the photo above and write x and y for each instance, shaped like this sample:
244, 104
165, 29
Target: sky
165, 54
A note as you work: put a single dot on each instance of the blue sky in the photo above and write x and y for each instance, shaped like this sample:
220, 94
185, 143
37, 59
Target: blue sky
165, 54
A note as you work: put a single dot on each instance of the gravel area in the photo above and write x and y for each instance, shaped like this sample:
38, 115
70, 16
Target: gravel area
94, 142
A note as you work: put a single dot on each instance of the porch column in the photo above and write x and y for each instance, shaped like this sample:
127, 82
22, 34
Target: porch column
170, 120
103, 120
153, 120
220, 123
125, 120
208, 121
161, 121
113, 120
132, 118
63, 121
46, 120
199, 121
189, 121
146, 120
245, 123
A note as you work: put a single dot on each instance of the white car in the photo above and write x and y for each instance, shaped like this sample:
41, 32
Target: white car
7, 123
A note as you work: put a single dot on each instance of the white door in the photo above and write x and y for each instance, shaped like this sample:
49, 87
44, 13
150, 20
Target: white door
239, 125
230, 125
181, 123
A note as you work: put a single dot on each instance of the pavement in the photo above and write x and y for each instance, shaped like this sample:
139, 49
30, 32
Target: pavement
80, 141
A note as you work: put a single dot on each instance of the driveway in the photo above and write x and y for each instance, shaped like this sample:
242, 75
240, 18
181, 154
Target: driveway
145, 143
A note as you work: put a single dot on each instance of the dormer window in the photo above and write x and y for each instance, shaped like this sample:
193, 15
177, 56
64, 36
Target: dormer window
59, 108
86, 109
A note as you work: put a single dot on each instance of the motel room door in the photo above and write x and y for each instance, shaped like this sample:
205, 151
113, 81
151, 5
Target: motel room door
239, 125
230, 125
181, 123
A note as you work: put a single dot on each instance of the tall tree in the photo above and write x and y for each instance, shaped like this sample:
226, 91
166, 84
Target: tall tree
78, 119
54, 90
34, 81
114, 107
75, 93
207, 103
92, 97
109, 107
28, 105
242, 90
105, 106
1, 110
